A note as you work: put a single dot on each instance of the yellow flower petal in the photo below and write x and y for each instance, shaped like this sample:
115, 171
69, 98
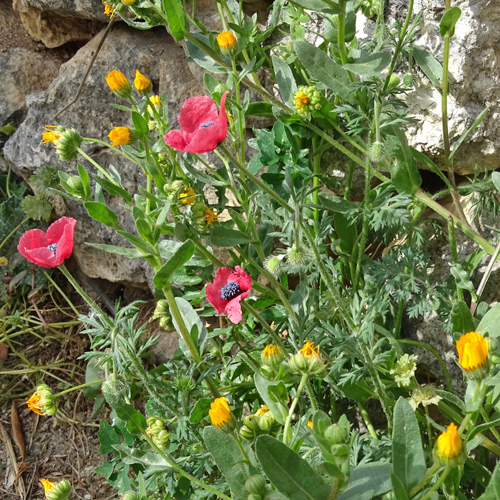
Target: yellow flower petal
220, 413
472, 351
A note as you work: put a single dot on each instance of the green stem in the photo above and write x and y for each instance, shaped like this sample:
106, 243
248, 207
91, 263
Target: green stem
429, 429
341, 37
96, 165
56, 286
454, 253
85, 297
182, 472
240, 114
486, 418
167, 291
367, 420
79, 387
465, 421
424, 480
485, 278
12, 233
438, 484
276, 339
315, 182
287, 432
312, 397
115, 149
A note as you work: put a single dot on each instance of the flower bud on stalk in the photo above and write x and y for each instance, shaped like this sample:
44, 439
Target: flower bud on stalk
121, 136
221, 416
449, 450
130, 495
68, 144
119, 84
274, 263
377, 152
56, 491
142, 84
307, 99
307, 361
162, 312
256, 484
227, 43
473, 355
394, 81
41, 402
297, 256
272, 356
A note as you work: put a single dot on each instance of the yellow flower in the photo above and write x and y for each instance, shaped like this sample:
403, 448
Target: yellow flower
449, 442
220, 413
50, 135
262, 411
210, 216
270, 350
188, 197
34, 403
120, 136
108, 10
472, 351
128, 2
141, 83
48, 486
308, 350
310, 424
301, 99
118, 83
156, 100
226, 40
272, 356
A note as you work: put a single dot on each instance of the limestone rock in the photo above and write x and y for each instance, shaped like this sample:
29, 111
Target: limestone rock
54, 29
126, 50
23, 72
83, 9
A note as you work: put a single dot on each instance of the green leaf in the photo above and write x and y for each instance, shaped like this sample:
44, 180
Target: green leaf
462, 279
398, 488
200, 410
37, 207
285, 79
327, 71
176, 19
228, 457
425, 160
404, 173
260, 109
130, 253
194, 325
450, 18
479, 119
131, 456
482, 428
84, 176
140, 244
201, 176
326, 6
493, 490
107, 438
490, 324
140, 124
180, 257
452, 398
136, 423
277, 406
93, 373
369, 65
374, 477
289, 473
461, 318
200, 57
102, 213
429, 65
112, 188
408, 460
221, 236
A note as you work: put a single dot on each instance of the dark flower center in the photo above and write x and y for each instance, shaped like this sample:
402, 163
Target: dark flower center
231, 290
53, 247
206, 125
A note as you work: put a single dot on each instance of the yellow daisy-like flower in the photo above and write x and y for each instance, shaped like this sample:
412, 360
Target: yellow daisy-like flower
262, 411
188, 197
116, 80
210, 216
34, 403
310, 424
308, 350
301, 99
141, 83
226, 40
449, 442
48, 486
270, 351
120, 136
50, 135
272, 356
220, 413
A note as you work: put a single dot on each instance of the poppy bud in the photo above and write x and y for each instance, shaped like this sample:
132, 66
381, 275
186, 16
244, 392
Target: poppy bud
273, 264
297, 256
408, 80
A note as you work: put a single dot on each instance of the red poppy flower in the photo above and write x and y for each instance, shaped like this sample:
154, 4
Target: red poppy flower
203, 129
49, 250
228, 288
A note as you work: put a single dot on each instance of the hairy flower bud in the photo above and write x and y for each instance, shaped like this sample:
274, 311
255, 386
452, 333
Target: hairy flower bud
56, 491
449, 450
272, 356
130, 495
273, 264
256, 484
307, 99
297, 256
307, 361
377, 152
68, 144
408, 80
394, 81
163, 314
227, 43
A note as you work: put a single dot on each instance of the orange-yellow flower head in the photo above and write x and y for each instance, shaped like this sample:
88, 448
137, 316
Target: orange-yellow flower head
210, 216
227, 42
188, 197
142, 83
108, 10
309, 424
51, 135
120, 136
56, 491
272, 356
34, 403
41, 402
473, 355
308, 362
119, 84
155, 99
449, 449
220, 415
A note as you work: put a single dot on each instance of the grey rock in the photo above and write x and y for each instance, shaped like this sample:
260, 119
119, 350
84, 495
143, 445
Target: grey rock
23, 72
83, 9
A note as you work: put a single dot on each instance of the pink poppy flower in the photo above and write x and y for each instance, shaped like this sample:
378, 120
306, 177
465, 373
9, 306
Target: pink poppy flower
51, 248
203, 129
227, 290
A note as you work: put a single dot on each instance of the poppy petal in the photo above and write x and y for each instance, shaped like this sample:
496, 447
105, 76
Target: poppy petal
196, 111
34, 238
177, 139
42, 256
213, 290
233, 309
